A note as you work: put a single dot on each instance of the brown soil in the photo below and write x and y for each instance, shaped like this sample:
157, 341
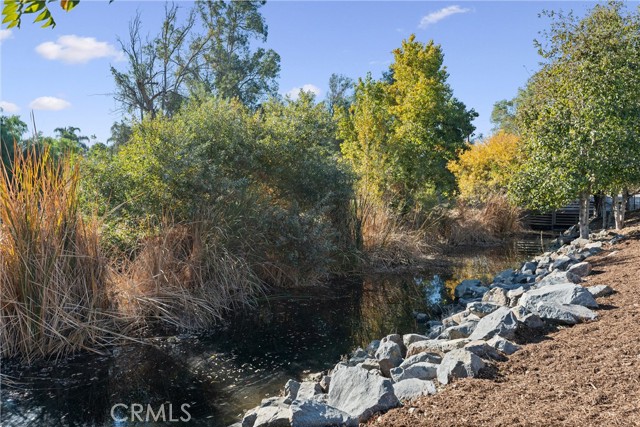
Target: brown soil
586, 375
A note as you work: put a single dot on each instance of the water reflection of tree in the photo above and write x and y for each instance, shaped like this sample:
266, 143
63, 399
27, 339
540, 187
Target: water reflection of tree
483, 264
386, 306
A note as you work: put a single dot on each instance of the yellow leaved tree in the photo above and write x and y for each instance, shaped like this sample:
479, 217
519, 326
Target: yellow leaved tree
486, 167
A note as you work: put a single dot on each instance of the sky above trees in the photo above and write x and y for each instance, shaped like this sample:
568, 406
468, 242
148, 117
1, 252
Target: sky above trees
63, 74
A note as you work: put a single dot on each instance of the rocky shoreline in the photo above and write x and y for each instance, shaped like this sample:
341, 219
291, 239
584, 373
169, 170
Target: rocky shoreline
482, 329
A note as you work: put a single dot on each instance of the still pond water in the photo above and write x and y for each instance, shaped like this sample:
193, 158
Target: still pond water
220, 376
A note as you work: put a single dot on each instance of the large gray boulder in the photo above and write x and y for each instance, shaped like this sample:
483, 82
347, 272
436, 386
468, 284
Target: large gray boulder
459, 364
580, 269
421, 357
436, 346
413, 388
565, 293
360, 393
310, 413
421, 371
389, 354
501, 322
566, 314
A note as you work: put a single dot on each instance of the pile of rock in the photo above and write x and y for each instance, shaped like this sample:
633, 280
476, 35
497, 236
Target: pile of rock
544, 291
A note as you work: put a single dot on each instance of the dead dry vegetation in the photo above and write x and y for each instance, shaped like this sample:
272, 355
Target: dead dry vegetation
586, 375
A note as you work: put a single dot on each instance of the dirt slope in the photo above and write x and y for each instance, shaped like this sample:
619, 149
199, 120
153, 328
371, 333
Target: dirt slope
587, 375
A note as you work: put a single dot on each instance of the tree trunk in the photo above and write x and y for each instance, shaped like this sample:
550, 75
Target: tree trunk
619, 208
584, 215
603, 210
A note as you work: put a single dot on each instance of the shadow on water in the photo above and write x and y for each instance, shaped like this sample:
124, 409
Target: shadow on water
221, 375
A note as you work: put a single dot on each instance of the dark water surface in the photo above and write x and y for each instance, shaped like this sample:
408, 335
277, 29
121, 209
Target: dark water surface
220, 376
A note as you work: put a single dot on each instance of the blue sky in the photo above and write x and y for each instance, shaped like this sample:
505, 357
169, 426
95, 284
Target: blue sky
63, 74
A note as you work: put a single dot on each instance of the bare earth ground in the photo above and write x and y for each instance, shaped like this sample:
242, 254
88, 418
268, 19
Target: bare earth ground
586, 375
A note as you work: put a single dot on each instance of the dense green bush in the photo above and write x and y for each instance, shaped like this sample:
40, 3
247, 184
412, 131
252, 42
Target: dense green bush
269, 180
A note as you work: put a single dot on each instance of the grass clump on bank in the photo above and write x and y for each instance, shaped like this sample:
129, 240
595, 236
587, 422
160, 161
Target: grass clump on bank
53, 276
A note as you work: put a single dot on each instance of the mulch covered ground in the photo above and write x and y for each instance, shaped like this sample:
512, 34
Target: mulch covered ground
586, 375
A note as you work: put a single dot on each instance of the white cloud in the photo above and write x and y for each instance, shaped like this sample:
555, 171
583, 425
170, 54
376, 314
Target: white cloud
295, 92
9, 107
49, 103
439, 15
78, 50
5, 34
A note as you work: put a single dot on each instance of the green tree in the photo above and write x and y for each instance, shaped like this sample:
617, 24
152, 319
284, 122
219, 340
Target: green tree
401, 132
121, 133
12, 129
71, 137
340, 94
580, 116
503, 116
430, 126
229, 67
366, 131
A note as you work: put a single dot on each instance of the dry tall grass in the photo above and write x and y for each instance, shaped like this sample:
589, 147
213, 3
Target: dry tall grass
53, 297
185, 278
387, 239
487, 223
